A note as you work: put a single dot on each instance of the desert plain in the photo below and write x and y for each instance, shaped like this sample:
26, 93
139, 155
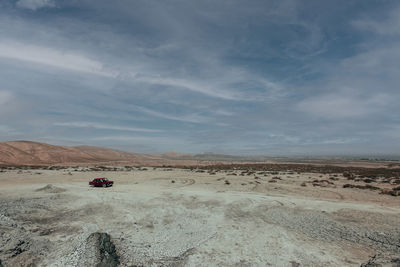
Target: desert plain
225, 215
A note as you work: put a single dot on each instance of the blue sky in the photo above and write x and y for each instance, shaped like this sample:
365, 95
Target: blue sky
271, 77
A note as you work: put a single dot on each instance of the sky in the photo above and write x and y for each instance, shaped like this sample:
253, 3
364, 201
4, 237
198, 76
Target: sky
242, 77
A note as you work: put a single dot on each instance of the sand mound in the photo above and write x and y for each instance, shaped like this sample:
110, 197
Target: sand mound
51, 189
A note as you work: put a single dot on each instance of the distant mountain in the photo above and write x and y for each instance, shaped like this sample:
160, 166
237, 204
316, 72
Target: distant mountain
34, 153
174, 156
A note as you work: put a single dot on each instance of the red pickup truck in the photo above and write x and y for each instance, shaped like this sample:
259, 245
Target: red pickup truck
102, 182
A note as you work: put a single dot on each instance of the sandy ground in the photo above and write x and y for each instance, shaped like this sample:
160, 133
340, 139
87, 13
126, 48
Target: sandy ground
177, 217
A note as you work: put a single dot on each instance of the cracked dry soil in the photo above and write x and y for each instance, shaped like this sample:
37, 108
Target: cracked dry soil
199, 220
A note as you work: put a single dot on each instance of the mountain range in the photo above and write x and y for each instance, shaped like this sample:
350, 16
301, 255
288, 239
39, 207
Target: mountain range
34, 153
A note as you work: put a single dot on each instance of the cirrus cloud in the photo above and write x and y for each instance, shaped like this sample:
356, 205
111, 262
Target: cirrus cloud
35, 4
52, 57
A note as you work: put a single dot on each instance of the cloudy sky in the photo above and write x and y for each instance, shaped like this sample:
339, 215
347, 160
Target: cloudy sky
269, 77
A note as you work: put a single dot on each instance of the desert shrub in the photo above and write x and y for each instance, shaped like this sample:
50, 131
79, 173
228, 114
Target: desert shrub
394, 192
348, 175
370, 187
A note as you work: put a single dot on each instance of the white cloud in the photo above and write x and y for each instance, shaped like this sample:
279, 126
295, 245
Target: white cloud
35, 4
223, 112
388, 26
224, 87
52, 57
343, 104
104, 126
5, 97
340, 141
159, 141
383, 59
194, 118
191, 86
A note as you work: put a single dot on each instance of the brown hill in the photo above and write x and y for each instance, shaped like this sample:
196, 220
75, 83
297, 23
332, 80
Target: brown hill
33, 153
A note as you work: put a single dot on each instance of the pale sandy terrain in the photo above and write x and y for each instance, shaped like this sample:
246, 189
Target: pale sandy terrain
176, 217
